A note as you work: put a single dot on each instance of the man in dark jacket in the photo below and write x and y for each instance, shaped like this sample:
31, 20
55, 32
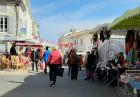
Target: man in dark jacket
37, 58
13, 49
33, 59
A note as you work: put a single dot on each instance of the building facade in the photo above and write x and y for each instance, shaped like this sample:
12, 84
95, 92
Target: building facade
16, 23
81, 41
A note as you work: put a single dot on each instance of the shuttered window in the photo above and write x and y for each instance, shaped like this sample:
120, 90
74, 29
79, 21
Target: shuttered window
3, 24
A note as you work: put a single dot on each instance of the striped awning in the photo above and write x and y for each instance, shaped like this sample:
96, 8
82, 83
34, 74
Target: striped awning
23, 44
27, 44
129, 20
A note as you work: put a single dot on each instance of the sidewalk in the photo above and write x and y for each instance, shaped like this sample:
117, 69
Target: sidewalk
17, 72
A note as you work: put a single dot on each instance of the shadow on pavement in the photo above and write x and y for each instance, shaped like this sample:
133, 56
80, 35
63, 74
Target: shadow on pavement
15, 82
37, 86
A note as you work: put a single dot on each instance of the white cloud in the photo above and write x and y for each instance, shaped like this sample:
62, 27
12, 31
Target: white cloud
56, 26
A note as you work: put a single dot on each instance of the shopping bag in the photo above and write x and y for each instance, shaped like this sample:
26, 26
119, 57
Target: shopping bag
42, 66
60, 72
45, 70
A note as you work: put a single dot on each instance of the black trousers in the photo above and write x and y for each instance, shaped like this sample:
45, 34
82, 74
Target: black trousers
74, 72
69, 70
53, 72
35, 63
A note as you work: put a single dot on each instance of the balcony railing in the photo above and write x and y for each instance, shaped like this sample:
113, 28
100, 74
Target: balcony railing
12, 1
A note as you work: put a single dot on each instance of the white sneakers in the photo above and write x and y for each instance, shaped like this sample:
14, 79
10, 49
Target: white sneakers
51, 84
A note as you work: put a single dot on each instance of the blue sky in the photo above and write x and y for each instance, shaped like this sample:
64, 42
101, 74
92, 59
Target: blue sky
56, 17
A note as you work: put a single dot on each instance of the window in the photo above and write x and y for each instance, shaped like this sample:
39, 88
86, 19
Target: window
81, 42
3, 24
91, 40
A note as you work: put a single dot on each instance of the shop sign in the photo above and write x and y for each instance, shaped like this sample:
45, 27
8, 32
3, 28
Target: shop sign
23, 30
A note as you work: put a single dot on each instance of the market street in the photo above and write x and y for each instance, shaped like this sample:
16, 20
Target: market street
36, 85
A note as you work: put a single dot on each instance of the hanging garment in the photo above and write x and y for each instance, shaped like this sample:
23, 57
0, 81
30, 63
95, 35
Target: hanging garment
102, 38
107, 34
95, 37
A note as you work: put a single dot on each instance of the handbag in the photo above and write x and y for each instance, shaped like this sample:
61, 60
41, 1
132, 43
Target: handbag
42, 66
60, 72
45, 70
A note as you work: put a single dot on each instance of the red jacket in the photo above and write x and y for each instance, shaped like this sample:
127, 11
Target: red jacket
55, 58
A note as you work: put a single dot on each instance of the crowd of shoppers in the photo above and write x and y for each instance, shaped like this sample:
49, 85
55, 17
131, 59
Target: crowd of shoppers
53, 60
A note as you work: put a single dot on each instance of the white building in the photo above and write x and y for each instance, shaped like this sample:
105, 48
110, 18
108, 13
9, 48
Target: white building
81, 40
35, 32
16, 22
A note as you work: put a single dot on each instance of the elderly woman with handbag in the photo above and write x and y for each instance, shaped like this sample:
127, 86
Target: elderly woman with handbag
55, 62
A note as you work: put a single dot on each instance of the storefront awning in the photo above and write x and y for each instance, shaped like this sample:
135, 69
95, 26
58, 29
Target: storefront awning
23, 44
27, 44
39, 44
129, 20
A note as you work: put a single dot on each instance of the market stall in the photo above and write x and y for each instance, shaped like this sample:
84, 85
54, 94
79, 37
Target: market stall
130, 21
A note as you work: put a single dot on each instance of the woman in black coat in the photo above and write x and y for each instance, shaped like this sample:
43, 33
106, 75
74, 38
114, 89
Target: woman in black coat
90, 65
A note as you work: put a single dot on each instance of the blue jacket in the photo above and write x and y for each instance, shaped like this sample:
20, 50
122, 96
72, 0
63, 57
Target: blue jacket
46, 55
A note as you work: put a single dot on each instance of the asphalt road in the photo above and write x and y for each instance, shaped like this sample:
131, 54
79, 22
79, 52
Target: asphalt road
36, 85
